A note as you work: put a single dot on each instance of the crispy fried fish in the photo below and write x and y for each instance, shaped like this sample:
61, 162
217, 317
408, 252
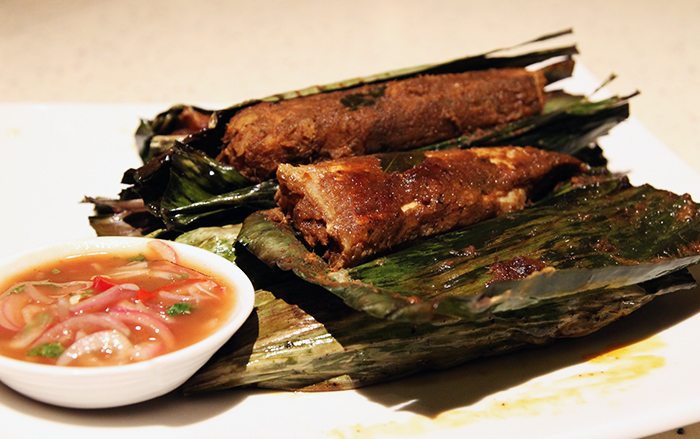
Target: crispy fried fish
355, 207
391, 116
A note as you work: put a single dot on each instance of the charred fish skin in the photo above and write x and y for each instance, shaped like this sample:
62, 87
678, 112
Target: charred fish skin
391, 116
357, 207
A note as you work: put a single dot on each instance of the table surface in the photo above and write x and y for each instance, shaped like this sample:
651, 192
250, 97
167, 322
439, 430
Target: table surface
220, 52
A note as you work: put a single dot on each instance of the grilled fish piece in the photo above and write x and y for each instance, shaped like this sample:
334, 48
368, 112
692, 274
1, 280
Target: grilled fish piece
356, 207
391, 116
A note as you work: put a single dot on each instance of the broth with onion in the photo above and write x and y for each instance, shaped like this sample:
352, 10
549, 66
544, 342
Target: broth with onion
106, 309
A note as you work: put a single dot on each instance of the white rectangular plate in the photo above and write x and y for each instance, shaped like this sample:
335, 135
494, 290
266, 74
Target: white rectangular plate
634, 378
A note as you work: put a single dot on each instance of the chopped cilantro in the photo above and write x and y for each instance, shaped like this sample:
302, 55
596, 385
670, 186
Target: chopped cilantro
18, 289
183, 276
179, 309
55, 271
48, 350
138, 258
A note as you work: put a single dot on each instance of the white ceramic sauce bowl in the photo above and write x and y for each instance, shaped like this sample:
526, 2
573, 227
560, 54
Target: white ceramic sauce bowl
112, 386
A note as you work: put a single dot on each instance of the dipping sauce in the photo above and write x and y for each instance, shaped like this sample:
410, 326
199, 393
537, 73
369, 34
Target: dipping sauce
109, 309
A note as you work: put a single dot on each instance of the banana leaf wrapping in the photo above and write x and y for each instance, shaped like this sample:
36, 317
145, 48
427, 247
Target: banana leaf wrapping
300, 337
183, 187
592, 235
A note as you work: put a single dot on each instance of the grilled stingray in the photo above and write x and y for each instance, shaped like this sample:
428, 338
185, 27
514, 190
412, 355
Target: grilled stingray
182, 186
355, 207
395, 115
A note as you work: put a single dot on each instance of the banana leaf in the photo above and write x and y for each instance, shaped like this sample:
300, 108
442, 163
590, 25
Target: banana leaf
591, 236
217, 240
568, 124
299, 337
125, 217
160, 133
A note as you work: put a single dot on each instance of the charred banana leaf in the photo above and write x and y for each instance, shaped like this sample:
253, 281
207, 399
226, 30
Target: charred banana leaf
170, 126
601, 235
299, 338
568, 124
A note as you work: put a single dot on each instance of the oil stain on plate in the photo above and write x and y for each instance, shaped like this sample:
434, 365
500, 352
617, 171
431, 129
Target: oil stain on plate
610, 371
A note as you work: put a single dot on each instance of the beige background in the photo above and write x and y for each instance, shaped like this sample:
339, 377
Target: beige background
221, 52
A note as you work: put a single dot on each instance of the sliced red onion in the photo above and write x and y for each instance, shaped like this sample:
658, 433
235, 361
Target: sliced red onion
169, 267
207, 287
63, 308
163, 250
101, 301
191, 290
32, 330
11, 310
67, 331
136, 272
36, 295
4, 321
162, 274
110, 342
132, 266
171, 297
127, 305
129, 270
147, 320
147, 350
30, 310
72, 287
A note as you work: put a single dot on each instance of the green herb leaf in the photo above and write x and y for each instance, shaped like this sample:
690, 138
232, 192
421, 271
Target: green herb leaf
179, 309
48, 350
55, 271
138, 258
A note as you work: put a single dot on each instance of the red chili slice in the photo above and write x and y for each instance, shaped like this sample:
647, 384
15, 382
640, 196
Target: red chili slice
100, 284
144, 295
